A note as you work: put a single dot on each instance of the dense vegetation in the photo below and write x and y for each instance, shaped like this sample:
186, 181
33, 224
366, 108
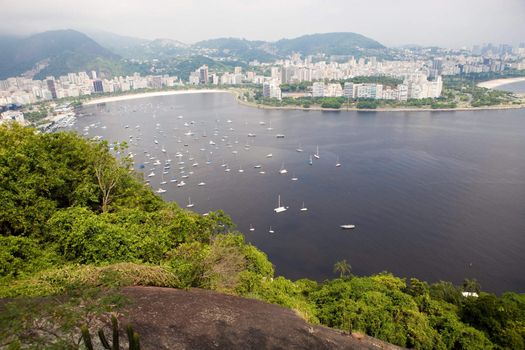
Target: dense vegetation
75, 218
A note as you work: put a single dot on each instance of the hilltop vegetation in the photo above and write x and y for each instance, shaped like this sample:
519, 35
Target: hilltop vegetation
75, 218
59, 52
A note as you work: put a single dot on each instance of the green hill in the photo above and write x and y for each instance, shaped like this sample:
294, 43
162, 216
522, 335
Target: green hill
60, 52
328, 43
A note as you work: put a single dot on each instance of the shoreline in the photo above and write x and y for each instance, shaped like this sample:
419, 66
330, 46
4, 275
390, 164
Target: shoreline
148, 94
237, 95
492, 84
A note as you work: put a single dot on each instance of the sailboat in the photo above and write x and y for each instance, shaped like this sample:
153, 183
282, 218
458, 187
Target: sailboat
252, 228
160, 190
283, 170
190, 204
270, 230
241, 170
299, 149
311, 160
347, 227
180, 184
163, 149
294, 178
316, 155
337, 164
279, 208
269, 128
303, 208
163, 182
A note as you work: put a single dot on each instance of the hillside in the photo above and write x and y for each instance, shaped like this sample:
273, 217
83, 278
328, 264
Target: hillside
75, 220
328, 43
59, 52
201, 319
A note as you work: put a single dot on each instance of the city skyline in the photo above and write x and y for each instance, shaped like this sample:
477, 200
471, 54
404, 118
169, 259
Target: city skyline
443, 23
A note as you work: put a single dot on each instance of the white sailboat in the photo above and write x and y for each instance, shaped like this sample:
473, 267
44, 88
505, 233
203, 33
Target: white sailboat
311, 160
299, 149
160, 190
279, 208
180, 184
316, 155
303, 208
270, 230
269, 128
163, 182
337, 164
347, 227
190, 204
294, 178
252, 228
283, 170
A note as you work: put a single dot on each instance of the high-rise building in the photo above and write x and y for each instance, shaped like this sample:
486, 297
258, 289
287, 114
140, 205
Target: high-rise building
318, 89
50, 81
348, 90
98, 87
203, 75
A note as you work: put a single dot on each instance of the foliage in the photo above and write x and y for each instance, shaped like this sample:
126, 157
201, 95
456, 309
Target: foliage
58, 238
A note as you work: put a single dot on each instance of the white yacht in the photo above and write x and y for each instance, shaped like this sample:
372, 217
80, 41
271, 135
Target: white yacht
279, 208
160, 190
190, 204
347, 227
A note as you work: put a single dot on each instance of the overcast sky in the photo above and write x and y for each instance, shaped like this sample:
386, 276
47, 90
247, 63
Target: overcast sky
451, 23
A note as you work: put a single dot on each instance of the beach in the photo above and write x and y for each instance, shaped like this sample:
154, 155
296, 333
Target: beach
492, 84
148, 94
294, 107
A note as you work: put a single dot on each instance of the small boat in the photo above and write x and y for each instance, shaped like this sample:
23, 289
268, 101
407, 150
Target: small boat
262, 172
202, 184
173, 180
279, 208
283, 170
257, 166
316, 155
347, 227
252, 228
294, 178
190, 204
270, 230
299, 149
279, 136
151, 174
251, 135
269, 155
180, 184
262, 123
156, 142
337, 164
160, 190
303, 208
163, 150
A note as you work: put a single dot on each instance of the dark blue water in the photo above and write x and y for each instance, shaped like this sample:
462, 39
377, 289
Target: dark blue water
434, 195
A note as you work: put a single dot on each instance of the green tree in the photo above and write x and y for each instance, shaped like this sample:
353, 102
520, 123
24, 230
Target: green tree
343, 268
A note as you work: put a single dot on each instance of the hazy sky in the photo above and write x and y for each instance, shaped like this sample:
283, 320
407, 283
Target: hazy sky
450, 23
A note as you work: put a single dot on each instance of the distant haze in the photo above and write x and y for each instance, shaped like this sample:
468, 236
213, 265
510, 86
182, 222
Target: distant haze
446, 23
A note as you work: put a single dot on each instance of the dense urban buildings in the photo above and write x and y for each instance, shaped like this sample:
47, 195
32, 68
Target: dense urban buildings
419, 70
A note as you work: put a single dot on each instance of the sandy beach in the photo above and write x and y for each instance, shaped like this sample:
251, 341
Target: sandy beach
148, 94
492, 84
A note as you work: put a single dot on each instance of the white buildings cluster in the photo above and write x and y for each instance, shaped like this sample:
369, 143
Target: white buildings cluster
414, 87
12, 116
25, 91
